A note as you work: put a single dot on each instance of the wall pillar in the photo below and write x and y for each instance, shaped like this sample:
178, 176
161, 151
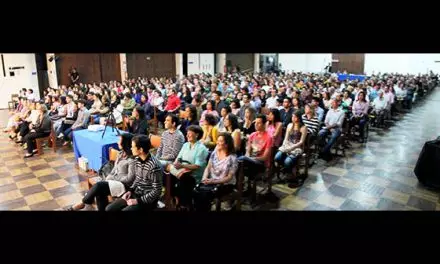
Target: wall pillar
221, 62
52, 70
123, 61
256, 62
179, 64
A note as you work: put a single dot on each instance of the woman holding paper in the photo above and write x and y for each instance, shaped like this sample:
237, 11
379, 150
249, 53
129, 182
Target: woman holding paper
115, 183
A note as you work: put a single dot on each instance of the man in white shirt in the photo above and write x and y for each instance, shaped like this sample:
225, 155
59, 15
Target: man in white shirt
333, 124
379, 106
271, 102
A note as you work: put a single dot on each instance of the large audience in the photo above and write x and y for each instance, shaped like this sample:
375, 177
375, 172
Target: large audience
209, 124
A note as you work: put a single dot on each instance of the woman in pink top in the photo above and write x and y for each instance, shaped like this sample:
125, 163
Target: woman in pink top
274, 126
360, 113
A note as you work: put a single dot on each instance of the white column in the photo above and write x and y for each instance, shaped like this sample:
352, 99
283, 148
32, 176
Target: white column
123, 61
221, 62
256, 62
179, 64
52, 70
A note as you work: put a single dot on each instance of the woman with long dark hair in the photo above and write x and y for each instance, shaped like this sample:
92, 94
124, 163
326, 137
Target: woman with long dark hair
137, 124
233, 128
190, 118
249, 121
219, 176
274, 126
326, 100
263, 97
360, 114
116, 182
296, 104
292, 147
186, 95
148, 109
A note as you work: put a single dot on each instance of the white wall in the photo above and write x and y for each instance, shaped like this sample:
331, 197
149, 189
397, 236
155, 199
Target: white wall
411, 63
304, 62
200, 63
193, 63
24, 78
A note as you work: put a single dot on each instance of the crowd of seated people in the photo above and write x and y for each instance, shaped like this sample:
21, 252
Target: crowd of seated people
211, 123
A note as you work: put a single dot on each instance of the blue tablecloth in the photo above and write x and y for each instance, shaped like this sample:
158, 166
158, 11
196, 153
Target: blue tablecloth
92, 146
351, 77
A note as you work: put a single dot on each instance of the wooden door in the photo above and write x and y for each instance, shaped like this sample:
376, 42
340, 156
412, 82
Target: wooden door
164, 64
151, 65
110, 67
350, 62
87, 64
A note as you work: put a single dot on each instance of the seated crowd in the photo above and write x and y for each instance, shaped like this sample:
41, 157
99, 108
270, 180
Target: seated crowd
211, 124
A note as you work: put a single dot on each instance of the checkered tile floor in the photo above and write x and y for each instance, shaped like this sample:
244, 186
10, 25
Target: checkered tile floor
377, 175
46, 182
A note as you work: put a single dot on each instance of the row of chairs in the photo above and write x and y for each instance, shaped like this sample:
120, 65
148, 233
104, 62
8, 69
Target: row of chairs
236, 195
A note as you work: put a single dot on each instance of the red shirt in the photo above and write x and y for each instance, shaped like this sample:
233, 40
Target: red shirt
172, 103
259, 144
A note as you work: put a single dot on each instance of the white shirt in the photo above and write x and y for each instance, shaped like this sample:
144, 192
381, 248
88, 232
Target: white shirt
271, 102
158, 102
380, 104
390, 99
266, 88
31, 97
399, 91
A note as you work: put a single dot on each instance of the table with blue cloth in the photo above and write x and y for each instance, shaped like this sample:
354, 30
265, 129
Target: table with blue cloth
94, 147
351, 77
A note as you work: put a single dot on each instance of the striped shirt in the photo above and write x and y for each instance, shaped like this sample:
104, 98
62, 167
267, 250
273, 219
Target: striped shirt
170, 145
148, 182
312, 124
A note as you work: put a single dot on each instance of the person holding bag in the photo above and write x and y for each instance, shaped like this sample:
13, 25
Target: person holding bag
219, 176
292, 147
115, 182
